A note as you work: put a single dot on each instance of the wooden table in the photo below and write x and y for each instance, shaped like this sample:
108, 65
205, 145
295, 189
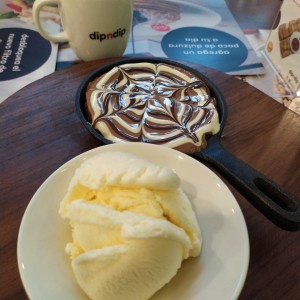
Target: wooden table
40, 131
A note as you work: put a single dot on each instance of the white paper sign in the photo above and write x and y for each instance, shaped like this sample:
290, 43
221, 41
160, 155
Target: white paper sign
283, 45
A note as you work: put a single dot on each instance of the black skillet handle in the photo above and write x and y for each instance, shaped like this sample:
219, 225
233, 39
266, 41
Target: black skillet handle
270, 199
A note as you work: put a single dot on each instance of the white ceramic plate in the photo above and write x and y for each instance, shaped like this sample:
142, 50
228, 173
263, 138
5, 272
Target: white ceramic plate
219, 272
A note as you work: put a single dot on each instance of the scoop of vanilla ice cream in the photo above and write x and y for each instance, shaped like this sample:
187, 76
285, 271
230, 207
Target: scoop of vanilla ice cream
125, 255
132, 225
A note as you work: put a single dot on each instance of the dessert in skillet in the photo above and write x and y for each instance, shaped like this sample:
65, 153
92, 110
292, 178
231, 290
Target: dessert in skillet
153, 103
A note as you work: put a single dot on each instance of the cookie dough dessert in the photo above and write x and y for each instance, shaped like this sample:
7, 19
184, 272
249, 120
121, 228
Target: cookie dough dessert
158, 11
153, 103
132, 226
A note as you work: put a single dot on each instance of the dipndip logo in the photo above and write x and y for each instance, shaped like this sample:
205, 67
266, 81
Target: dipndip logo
107, 36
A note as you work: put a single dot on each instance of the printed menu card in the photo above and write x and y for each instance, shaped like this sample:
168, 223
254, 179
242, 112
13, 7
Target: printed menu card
283, 45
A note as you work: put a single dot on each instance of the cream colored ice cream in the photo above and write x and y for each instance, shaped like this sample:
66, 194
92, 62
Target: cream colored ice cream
132, 226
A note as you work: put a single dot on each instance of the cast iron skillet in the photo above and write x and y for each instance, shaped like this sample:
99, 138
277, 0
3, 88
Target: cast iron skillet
270, 199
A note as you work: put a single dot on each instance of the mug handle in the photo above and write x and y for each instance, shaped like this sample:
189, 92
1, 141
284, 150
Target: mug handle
36, 9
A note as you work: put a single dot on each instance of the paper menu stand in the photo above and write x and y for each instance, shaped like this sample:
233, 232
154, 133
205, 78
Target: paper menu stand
283, 46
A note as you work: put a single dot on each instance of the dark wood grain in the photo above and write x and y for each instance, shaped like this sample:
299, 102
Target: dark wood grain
40, 131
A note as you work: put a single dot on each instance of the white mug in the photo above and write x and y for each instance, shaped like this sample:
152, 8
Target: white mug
95, 29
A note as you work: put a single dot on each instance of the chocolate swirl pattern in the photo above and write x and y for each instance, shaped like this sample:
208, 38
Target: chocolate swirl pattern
153, 103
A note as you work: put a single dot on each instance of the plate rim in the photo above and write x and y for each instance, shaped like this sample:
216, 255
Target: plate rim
80, 157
